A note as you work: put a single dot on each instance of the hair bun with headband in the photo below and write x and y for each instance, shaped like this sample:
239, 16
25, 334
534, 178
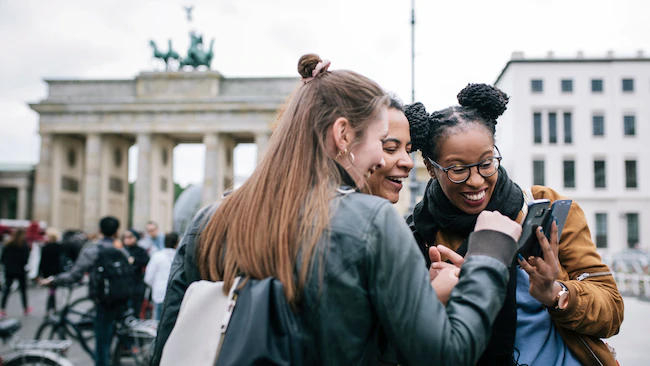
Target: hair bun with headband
310, 66
487, 99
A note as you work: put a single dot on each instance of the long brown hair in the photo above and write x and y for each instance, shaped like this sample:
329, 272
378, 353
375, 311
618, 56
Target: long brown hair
283, 208
17, 238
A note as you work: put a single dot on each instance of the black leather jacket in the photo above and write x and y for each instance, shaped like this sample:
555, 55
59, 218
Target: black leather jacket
375, 281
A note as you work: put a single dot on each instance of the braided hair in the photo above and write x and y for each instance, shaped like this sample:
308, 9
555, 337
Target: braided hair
479, 103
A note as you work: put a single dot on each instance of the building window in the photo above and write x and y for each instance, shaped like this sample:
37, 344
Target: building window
569, 174
596, 85
568, 128
116, 185
599, 125
630, 174
537, 128
164, 156
629, 123
117, 157
69, 184
567, 86
163, 184
599, 174
552, 128
536, 86
72, 158
601, 230
628, 85
538, 172
632, 229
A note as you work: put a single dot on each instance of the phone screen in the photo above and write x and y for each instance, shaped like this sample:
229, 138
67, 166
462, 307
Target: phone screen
559, 211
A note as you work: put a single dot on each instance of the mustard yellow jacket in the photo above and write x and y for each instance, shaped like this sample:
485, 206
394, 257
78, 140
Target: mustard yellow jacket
595, 307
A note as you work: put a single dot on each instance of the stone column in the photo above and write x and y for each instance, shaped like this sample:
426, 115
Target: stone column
43, 181
262, 142
142, 199
92, 182
22, 203
215, 161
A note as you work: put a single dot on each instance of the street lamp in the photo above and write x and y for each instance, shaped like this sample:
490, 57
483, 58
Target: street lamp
413, 185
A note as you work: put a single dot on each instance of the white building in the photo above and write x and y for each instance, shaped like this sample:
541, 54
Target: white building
582, 127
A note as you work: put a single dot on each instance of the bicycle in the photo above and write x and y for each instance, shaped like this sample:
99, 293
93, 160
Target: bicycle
31, 352
135, 338
74, 320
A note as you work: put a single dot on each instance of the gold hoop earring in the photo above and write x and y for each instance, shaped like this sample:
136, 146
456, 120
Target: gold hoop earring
351, 157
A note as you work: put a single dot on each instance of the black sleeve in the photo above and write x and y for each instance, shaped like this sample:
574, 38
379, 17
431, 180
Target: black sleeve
140, 258
25, 254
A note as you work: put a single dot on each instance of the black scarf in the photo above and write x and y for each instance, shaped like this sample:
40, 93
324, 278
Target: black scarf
436, 212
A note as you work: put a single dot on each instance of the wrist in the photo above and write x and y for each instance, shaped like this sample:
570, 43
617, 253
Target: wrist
560, 299
551, 299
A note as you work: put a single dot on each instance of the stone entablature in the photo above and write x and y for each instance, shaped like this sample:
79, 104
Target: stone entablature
157, 110
204, 86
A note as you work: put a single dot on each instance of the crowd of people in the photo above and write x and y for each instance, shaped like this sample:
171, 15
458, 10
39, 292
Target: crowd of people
66, 259
446, 286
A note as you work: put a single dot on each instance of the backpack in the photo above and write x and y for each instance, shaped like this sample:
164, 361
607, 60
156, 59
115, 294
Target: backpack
110, 278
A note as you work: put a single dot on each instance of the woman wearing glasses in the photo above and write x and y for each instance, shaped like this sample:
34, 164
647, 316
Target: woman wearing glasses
556, 308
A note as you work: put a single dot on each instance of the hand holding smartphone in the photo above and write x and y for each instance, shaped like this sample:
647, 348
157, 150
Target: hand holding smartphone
539, 214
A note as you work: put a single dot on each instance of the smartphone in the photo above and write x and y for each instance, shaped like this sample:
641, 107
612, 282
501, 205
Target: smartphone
558, 211
538, 215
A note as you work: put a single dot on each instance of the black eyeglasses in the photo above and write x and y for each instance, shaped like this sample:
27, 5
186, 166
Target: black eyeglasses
460, 173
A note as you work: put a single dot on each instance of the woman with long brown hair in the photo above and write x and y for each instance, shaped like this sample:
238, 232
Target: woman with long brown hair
14, 258
348, 262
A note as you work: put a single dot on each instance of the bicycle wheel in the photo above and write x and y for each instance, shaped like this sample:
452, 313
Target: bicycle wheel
85, 338
124, 354
81, 316
49, 330
35, 357
81, 312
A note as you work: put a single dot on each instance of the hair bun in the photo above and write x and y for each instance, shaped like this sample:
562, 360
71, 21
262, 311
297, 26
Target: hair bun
307, 64
487, 99
419, 124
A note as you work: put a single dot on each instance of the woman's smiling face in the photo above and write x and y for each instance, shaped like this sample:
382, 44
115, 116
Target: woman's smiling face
388, 181
468, 145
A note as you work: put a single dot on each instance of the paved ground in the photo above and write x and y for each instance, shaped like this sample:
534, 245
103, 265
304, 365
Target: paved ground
37, 298
631, 343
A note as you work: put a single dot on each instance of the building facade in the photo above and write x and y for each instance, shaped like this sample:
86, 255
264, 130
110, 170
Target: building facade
88, 126
16, 182
582, 127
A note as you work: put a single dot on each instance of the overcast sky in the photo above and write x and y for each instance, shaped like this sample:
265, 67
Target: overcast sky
457, 42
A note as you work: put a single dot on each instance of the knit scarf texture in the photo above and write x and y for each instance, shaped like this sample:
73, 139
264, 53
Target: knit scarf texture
436, 212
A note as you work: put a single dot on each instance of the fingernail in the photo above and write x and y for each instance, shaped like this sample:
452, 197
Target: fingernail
556, 221
541, 230
521, 258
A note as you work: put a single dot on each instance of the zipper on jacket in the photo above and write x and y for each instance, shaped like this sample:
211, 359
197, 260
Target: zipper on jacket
590, 350
586, 275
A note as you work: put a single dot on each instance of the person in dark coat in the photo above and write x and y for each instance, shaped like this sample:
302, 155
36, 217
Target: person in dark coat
138, 259
14, 258
51, 263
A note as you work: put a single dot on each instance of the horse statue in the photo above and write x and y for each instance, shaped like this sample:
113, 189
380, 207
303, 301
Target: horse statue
196, 56
170, 55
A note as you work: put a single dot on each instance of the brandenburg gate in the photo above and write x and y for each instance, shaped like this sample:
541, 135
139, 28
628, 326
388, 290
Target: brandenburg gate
87, 127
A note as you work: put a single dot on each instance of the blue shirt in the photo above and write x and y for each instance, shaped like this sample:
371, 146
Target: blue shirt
537, 339
159, 241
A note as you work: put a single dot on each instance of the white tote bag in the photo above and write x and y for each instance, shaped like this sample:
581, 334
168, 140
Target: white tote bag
201, 323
